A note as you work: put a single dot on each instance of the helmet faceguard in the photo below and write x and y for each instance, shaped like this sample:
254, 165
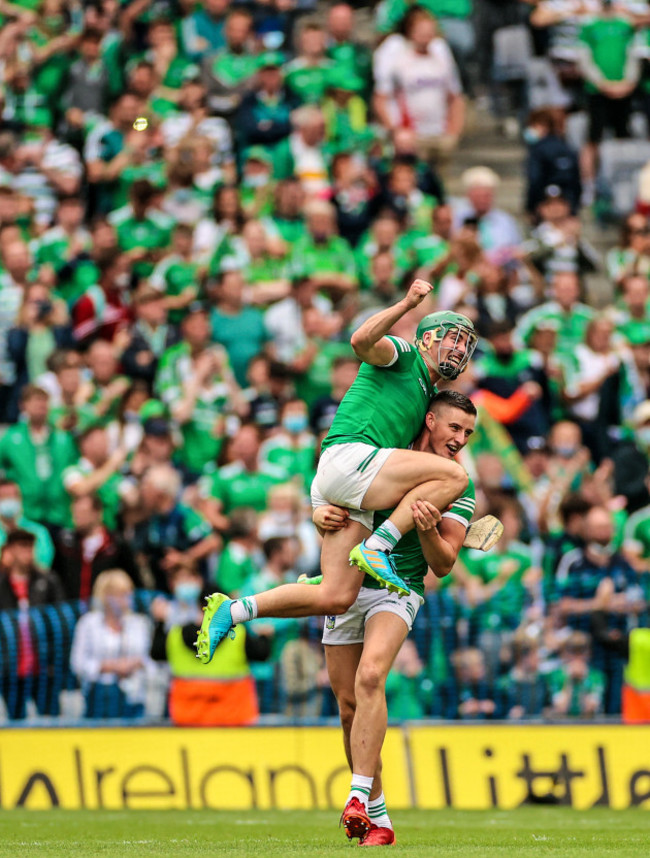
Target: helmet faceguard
440, 339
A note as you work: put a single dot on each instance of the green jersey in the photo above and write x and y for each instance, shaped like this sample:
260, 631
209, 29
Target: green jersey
608, 41
409, 559
570, 325
307, 82
235, 487
37, 464
386, 405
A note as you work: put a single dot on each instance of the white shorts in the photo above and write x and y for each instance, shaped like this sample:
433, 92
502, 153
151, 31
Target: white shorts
349, 628
345, 472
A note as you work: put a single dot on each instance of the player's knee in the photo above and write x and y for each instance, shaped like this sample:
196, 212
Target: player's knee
459, 478
334, 603
370, 678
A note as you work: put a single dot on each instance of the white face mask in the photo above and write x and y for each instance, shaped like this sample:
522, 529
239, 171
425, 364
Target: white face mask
604, 552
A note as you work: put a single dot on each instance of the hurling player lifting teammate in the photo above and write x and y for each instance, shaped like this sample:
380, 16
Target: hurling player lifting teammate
365, 466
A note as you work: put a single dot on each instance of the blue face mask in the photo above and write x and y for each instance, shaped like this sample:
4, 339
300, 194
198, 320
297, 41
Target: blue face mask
295, 423
118, 606
531, 136
10, 508
187, 592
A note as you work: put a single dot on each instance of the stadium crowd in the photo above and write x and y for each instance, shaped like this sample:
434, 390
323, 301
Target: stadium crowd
198, 203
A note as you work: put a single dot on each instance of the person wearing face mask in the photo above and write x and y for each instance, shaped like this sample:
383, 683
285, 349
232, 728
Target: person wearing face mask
595, 578
110, 650
226, 695
551, 161
12, 519
293, 448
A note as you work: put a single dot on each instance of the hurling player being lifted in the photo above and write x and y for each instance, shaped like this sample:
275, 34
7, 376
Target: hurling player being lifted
365, 465
362, 644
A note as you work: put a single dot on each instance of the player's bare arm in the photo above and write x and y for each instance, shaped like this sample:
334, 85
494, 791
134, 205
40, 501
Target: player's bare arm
441, 538
369, 340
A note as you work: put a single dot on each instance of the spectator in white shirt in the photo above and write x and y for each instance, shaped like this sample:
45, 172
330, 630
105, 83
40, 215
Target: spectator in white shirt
419, 87
110, 650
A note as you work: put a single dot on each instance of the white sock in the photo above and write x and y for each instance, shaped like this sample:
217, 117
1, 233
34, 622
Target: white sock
385, 538
360, 788
378, 813
243, 610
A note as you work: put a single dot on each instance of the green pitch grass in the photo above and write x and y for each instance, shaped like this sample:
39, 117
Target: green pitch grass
535, 832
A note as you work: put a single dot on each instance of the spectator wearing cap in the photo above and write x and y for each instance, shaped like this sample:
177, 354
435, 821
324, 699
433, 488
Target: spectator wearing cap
496, 228
265, 115
556, 242
150, 336
157, 445
35, 456
631, 458
143, 231
306, 75
195, 382
550, 160
239, 328
227, 73
171, 532
421, 90
87, 548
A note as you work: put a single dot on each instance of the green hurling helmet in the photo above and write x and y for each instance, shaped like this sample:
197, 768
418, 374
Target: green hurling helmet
440, 324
